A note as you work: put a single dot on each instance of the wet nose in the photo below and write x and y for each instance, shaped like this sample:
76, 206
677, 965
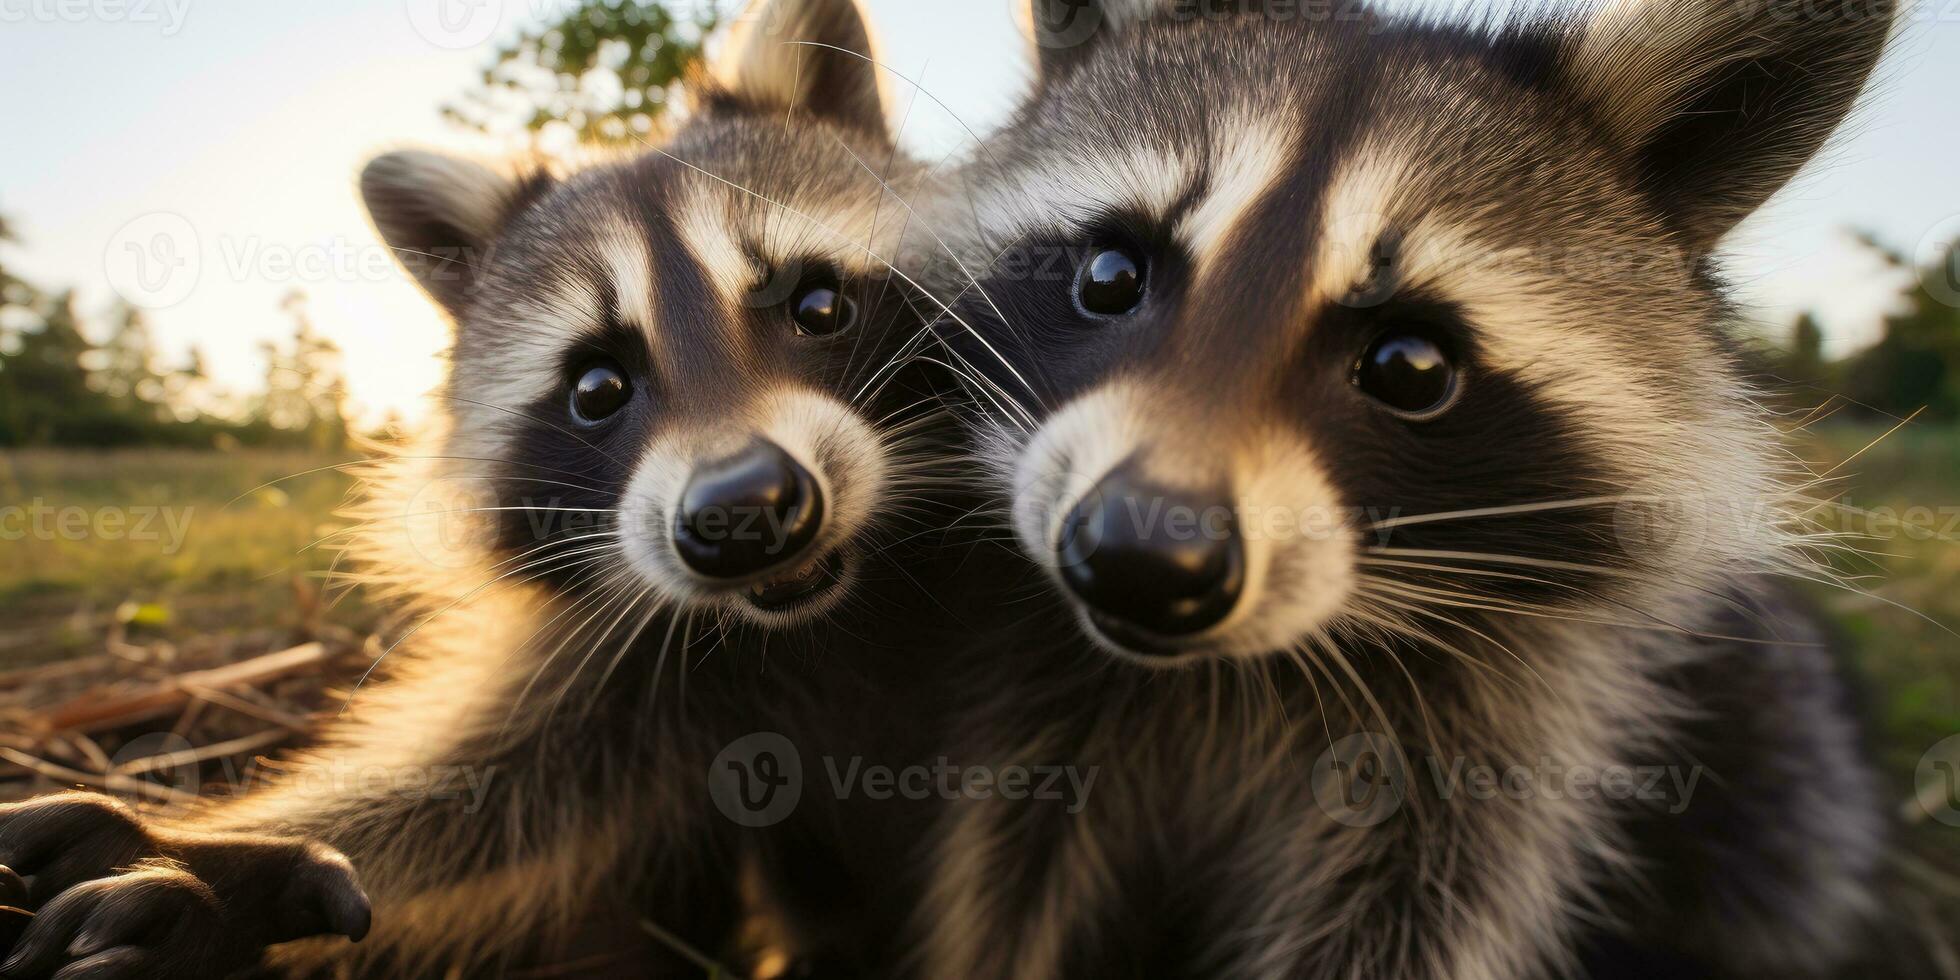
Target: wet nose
1148, 559
747, 513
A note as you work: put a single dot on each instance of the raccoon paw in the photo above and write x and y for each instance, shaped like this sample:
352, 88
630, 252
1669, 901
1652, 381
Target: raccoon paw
157, 921
57, 842
162, 921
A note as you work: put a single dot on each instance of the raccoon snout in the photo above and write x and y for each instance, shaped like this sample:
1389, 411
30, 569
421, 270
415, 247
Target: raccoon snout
747, 513
1152, 561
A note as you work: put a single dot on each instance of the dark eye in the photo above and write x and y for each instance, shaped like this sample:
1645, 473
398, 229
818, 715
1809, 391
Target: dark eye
1409, 373
821, 310
1111, 282
601, 390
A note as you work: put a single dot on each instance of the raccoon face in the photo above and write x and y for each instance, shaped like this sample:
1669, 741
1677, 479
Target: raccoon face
672, 367
1364, 329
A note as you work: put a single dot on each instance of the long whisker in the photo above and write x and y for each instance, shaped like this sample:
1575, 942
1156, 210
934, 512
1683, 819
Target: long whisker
957, 261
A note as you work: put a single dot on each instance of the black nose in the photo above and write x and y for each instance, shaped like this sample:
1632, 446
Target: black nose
1146, 559
747, 513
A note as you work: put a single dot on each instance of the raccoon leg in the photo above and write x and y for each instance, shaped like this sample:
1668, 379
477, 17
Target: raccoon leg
1765, 867
482, 837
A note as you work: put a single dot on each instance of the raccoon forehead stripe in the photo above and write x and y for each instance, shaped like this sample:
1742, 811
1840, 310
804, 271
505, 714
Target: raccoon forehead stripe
1078, 184
1354, 220
624, 251
703, 219
1243, 167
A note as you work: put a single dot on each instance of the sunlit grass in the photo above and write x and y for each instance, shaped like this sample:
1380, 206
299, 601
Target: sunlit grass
158, 534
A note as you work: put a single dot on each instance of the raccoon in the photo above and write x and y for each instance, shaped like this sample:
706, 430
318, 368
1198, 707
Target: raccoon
661, 508
1386, 423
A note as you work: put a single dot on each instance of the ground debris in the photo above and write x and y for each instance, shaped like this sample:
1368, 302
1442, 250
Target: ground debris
164, 724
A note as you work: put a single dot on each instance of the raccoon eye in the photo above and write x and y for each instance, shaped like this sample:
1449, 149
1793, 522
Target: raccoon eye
1409, 373
1111, 282
821, 310
600, 391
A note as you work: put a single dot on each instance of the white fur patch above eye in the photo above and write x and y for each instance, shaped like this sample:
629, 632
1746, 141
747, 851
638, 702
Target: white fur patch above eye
623, 251
704, 218
1243, 168
1354, 219
1075, 186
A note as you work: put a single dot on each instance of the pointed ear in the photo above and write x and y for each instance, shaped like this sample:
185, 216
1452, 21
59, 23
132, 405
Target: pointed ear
783, 54
438, 214
1719, 102
1065, 30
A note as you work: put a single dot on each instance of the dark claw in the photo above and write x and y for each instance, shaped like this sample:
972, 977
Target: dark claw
13, 890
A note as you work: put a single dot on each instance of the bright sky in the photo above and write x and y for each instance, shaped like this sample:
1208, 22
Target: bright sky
244, 122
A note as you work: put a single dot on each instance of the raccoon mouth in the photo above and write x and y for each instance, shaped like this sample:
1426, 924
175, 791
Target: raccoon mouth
1138, 642
798, 585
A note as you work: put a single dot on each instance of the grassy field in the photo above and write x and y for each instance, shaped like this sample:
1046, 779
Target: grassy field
172, 543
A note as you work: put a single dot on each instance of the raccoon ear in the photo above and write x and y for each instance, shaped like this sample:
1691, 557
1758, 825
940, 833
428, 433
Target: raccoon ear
1721, 102
438, 214
781, 53
1065, 30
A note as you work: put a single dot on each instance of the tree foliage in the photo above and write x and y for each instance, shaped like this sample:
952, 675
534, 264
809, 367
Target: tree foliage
1914, 365
58, 386
604, 69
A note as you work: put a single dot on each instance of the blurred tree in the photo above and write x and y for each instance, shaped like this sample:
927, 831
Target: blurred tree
1916, 361
47, 395
305, 391
604, 70
1805, 363
124, 366
57, 387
